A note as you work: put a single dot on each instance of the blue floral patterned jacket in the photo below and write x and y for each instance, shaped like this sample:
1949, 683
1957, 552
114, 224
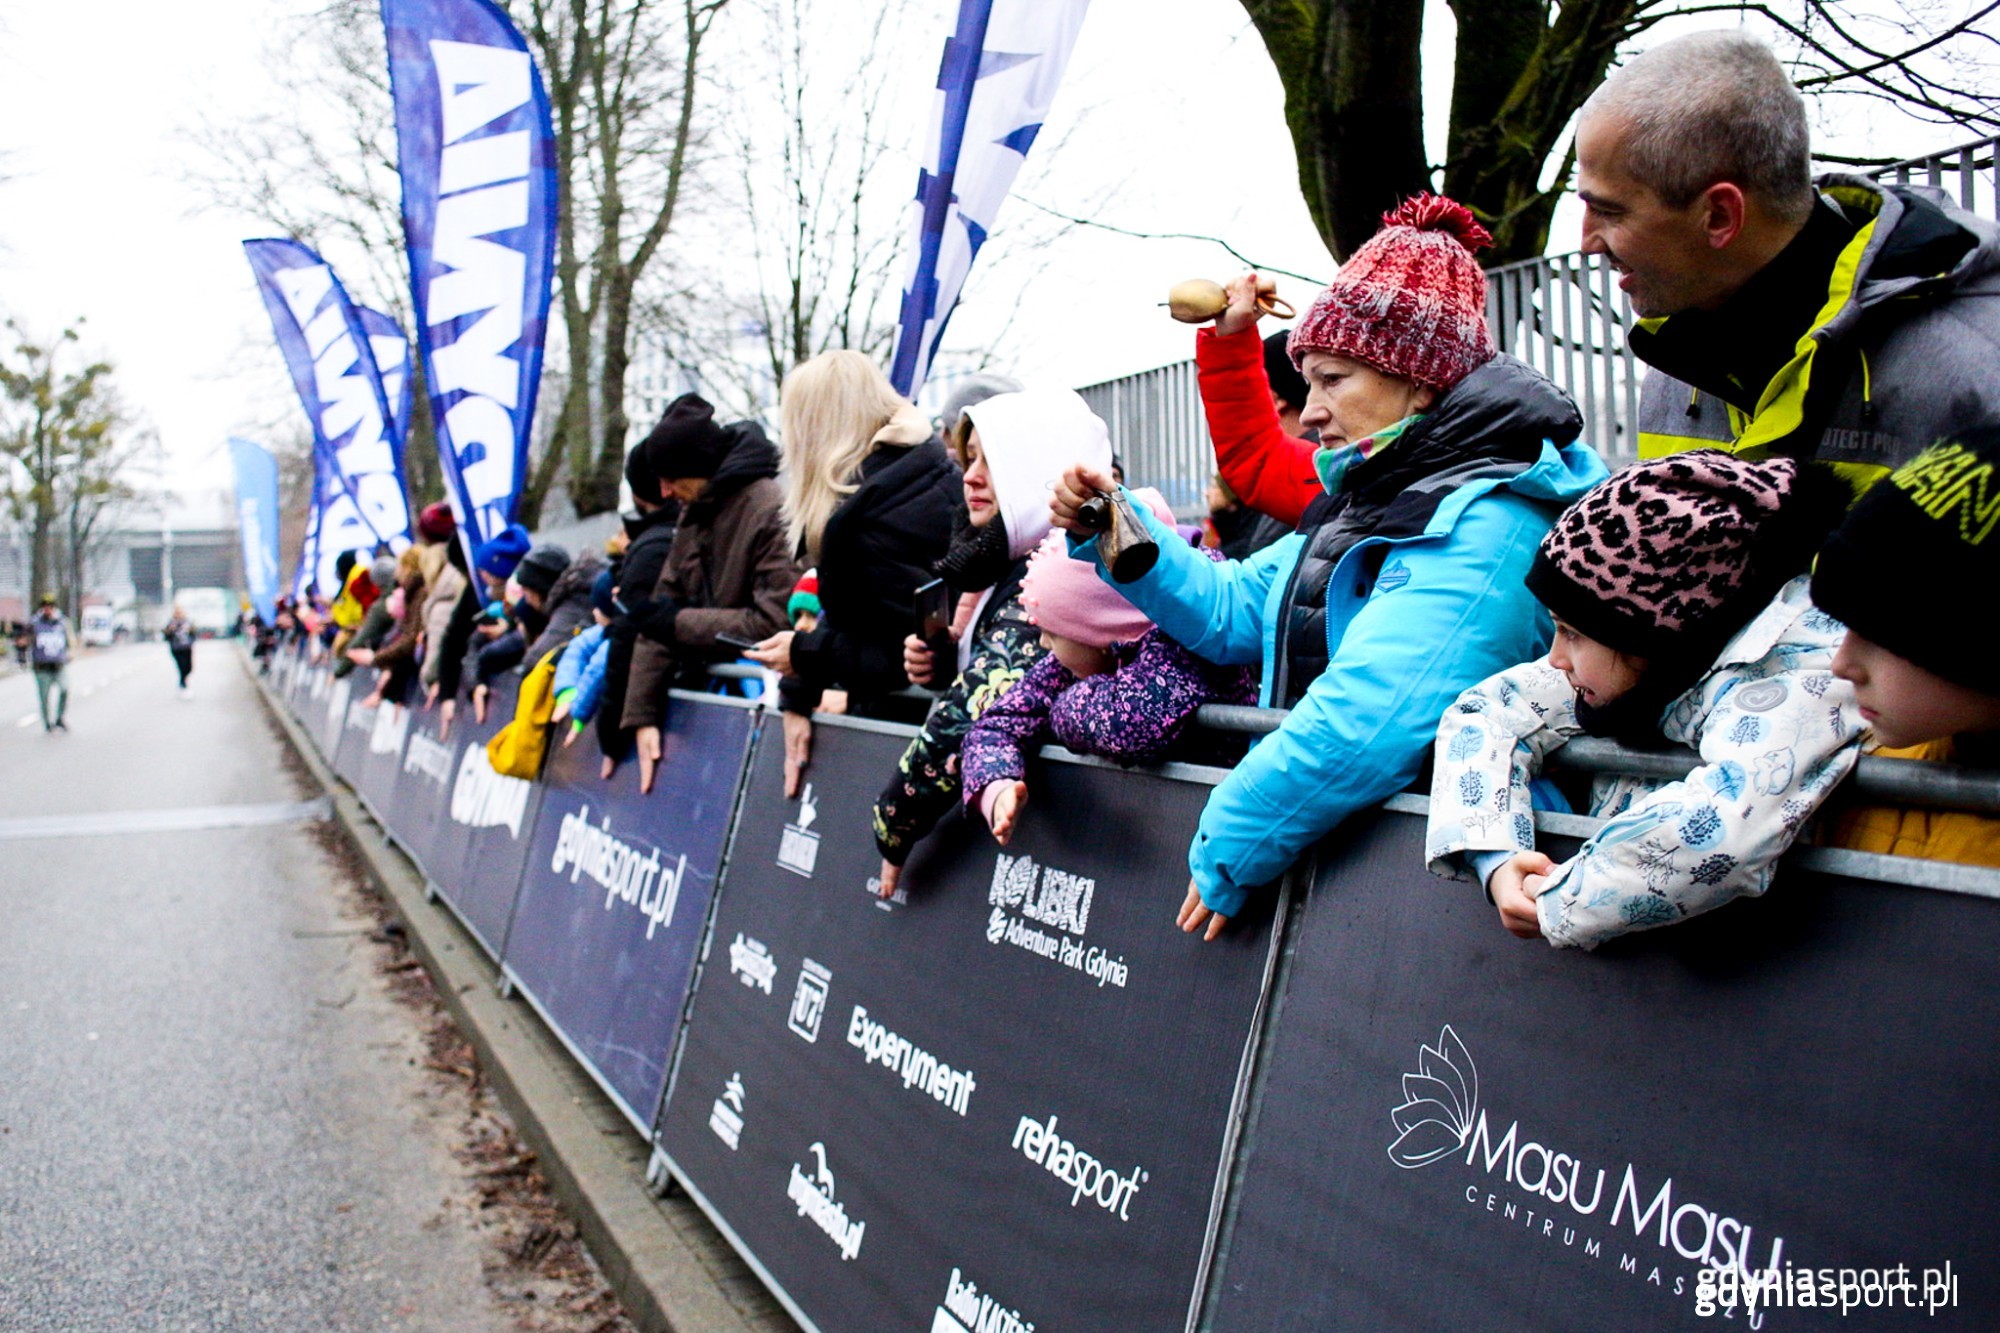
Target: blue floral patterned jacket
1776, 731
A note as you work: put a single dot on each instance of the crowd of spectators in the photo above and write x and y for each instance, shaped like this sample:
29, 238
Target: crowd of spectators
1407, 547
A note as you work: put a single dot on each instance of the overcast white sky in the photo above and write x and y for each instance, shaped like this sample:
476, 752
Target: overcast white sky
1174, 100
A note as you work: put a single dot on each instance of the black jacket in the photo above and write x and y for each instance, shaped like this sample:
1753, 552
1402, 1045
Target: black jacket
1493, 420
566, 608
878, 547
650, 537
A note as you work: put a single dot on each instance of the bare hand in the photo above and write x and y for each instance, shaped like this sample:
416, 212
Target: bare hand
607, 768
1515, 885
479, 693
917, 661
569, 737
886, 888
1076, 486
561, 713
431, 695
798, 750
448, 711
774, 652
361, 656
646, 741
1194, 912
1007, 810
1243, 311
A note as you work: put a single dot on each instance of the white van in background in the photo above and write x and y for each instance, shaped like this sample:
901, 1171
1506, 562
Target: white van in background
212, 611
97, 627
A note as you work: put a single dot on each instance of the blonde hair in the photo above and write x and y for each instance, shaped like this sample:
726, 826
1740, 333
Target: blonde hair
830, 410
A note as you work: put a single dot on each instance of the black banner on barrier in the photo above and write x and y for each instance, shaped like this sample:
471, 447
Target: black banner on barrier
483, 839
615, 894
1459, 1129
350, 746
999, 1104
315, 705
419, 805
380, 760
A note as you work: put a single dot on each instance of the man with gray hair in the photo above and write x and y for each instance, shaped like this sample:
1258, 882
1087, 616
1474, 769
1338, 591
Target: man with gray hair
1836, 319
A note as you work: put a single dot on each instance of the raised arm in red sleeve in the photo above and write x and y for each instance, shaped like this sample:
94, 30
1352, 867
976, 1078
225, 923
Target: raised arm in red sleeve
1270, 471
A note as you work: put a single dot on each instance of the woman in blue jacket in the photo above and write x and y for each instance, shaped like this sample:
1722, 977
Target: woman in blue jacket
1443, 463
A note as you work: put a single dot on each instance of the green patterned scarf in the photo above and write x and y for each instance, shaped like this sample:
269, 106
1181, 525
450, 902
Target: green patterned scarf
1332, 462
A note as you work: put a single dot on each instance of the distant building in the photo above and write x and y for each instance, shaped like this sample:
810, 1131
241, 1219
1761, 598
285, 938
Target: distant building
193, 544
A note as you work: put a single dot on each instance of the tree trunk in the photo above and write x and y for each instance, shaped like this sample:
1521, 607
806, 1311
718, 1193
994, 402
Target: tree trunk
1354, 102
423, 474
1510, 105
595, 490
565, 56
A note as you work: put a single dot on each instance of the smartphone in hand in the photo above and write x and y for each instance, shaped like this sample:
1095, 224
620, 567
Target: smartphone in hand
737, 641
933, 609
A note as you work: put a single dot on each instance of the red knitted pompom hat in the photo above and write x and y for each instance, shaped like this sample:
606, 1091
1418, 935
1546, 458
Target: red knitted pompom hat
1412, 301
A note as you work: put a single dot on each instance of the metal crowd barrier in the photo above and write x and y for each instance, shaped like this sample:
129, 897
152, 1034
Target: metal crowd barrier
1012, 1095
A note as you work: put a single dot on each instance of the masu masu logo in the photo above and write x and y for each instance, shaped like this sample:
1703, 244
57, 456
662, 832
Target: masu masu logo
1440, 1103
1440, 1116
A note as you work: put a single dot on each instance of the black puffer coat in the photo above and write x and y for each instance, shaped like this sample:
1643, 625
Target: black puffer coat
878, 547
567, 607
1490, 423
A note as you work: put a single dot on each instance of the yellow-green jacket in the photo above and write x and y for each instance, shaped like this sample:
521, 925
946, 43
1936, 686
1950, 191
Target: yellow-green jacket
1902, 354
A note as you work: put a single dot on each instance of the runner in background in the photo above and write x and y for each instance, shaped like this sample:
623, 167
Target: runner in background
48, 654
179, 635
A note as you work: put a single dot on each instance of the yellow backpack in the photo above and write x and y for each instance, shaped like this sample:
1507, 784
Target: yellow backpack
516, 750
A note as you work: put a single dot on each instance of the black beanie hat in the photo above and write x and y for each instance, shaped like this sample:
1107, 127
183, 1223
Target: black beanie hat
1918, 553
640, 476
687, 442
540, 568
1285, 379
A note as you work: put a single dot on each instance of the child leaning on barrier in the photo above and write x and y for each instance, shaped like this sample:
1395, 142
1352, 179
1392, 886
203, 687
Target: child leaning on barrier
1680, 599
1902, 571
1111, 684
580, 671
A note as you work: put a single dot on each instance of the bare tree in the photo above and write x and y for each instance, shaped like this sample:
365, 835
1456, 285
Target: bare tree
816, 165
320, 167
1352, 75
61, 426
623, 80
623, 84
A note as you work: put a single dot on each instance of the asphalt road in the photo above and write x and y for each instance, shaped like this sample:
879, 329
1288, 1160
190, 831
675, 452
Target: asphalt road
210, 1115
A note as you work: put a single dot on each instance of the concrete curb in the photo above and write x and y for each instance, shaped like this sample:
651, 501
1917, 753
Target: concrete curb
671, 1269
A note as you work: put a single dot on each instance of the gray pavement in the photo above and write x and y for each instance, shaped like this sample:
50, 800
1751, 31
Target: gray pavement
210, 1118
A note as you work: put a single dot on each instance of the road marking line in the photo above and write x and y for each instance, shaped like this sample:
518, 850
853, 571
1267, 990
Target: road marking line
166, 821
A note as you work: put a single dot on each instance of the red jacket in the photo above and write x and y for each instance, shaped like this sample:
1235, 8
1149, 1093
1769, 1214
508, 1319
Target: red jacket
1270, 471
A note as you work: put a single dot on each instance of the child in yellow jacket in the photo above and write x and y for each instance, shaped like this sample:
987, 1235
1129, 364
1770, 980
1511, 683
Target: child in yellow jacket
1911, 573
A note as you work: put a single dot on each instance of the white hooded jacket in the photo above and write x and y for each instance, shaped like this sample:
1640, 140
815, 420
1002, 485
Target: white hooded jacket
1029, 439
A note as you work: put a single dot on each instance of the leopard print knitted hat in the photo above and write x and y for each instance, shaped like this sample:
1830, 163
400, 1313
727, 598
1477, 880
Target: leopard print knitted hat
1683, 550
1411, 301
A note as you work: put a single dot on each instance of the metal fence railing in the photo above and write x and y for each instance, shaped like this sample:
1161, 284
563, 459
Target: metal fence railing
1562, 314
1159, 432
1969, 174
